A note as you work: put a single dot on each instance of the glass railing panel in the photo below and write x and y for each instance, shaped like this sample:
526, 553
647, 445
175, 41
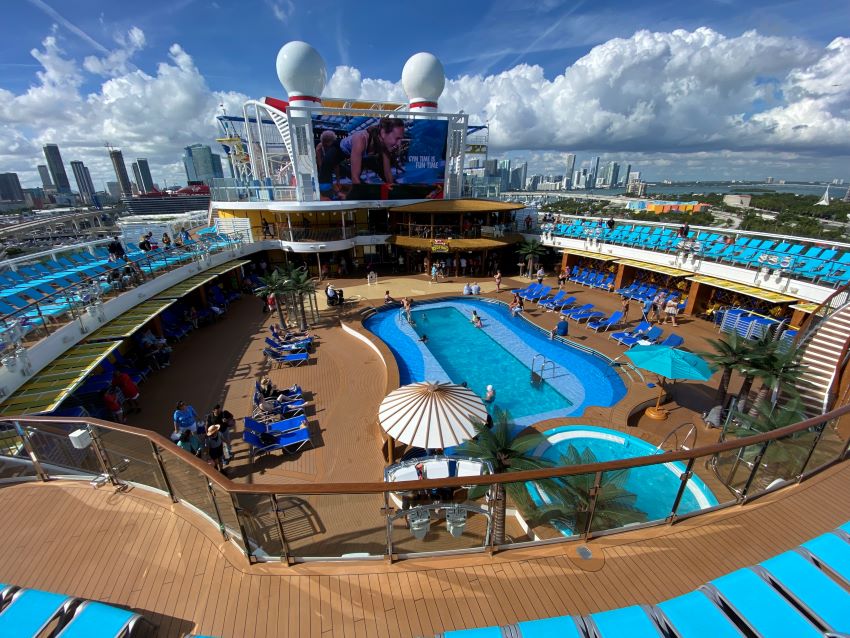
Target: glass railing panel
633, 496
14, 460
449, 519
259, 522
333, 525
832, 443
783, 460
188, 482
714, 480
537, 510
54, 450
132, 456
228, 516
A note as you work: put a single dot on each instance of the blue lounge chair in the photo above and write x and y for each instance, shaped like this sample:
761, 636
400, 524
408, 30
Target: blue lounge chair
478, 632
810, 589
97, 620
533, 288
276, 427
561, 626
292, 360
6, 592
641, 328
588, 314
651, 336
577, 309
289, 442
693, 615
634, 622
538, 294
31, 611
552, 300
559, 304
605, 324
295, 346
672, 340
832, 552
762, 609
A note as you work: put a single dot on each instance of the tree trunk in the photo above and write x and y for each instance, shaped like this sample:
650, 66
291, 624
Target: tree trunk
745, 388
303, 325
723, 388
530, 266
499, 506
280, 313
761, 397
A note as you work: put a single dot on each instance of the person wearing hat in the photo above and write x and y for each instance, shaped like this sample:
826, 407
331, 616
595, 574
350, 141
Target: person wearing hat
490, 395
215, 446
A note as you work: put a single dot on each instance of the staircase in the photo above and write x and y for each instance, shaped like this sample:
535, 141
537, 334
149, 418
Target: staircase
821, 355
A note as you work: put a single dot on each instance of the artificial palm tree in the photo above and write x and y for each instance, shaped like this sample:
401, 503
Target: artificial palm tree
274, 284
729, 355
508, 452
299, 283
760, 351
530, 249
615, 505
777, 373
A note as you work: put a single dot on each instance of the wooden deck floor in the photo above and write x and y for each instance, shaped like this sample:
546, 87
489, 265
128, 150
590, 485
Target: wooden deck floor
137, 549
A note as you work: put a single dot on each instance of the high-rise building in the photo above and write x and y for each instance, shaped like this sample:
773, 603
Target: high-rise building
625, 175
10, 188
46, 182
518, 175
84, 183
634, 176
504, 173
202, 165
146, 185
114, 190
137, 175
571, 167
57, 168
117, 158
491, 168
593, 173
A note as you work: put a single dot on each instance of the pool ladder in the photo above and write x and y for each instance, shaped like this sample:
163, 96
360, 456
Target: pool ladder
537, 376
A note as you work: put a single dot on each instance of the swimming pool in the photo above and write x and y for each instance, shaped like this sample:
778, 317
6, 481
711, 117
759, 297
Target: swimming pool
655, 486
499, 354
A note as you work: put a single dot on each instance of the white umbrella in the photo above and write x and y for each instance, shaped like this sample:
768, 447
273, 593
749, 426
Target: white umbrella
431, 415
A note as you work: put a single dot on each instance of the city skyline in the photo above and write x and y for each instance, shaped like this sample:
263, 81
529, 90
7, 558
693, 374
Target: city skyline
710, 90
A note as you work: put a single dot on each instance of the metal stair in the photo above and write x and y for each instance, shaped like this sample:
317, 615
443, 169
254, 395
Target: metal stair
821, 356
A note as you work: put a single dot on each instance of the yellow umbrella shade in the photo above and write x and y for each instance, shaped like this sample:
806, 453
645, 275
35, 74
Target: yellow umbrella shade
431, 415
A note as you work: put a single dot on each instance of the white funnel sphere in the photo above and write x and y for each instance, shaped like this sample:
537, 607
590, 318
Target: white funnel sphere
300, 69
423, 78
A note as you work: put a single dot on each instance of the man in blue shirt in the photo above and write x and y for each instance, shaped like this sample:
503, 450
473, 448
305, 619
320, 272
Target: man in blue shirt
563, 328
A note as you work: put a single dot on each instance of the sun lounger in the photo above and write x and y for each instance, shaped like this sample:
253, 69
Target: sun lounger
6, 592
588, 314
560, 626
292, 360
538, 294
641, 328
480, 632
559, 304
693, 615
763, 609
276, 427
631, 622
810, 589
289, 442
672, 340
577, 310
651, 336
31, 611
97, 620
830, 551
605, 324
552, 300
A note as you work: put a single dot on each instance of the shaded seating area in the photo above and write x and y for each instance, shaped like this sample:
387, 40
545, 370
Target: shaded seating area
31, 613
801, 593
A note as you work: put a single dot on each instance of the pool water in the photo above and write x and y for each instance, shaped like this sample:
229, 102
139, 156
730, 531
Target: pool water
499, 354
655, 486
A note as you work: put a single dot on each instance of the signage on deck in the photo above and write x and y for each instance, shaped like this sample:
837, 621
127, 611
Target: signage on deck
439, 245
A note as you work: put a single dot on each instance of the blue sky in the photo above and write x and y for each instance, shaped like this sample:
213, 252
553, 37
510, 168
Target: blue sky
231, 48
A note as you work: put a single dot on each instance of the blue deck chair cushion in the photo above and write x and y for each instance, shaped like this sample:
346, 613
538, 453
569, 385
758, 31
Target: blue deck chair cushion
561, 626
811, 589
762, 607
629, 621
97, 620
30, 612
481, 632
833, 551
693, 615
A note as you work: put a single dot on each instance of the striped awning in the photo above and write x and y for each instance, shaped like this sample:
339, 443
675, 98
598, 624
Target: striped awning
588, 254
186, 286
46, 390
743, 289
645, 265
127, 324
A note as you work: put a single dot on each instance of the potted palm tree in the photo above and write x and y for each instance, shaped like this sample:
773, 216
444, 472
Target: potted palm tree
529, 250
777, 373
299, 283
729, 355
274, 284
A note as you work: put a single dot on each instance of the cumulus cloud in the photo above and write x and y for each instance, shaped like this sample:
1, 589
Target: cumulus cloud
680, 100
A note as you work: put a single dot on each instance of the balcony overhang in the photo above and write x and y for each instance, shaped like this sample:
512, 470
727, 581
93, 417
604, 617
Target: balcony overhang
456, 245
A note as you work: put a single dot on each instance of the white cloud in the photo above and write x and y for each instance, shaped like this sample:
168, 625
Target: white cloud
281, 9
117, 61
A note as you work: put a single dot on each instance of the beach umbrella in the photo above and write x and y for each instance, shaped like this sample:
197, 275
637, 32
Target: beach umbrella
431, 415
670, 363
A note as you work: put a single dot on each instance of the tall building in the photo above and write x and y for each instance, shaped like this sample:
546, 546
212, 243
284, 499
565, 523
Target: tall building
634, 176
518, 175
117, 158
10, 188
114, 190
57, 168
202, 165
84, 183
137, 175
504, 172
491, 167
625, 179
593, 173
46, 182
146, 185
571, 167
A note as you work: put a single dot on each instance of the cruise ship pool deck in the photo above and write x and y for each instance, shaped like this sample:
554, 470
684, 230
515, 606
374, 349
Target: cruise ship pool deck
139, 549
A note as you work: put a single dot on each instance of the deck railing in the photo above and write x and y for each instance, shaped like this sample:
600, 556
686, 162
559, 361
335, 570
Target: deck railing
332, 521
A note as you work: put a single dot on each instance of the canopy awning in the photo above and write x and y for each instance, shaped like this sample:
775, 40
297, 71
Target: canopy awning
226, 266
588, 254
645, 265
743, 289
457, 206
127, 324
48, 388
193, 283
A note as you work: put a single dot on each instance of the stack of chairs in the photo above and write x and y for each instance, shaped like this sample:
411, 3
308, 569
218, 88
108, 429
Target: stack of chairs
291, 349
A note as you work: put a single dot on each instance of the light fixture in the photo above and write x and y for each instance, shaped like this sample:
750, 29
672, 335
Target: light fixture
419, 521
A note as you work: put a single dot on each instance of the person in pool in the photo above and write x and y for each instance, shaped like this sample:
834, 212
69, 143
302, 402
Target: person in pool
476, 320
490, 395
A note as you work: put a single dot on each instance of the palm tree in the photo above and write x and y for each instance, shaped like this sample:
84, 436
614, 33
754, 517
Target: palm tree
615, 505
760, 351
510, 453
274, 284
729, 354
777, 373
299, 283
528, 250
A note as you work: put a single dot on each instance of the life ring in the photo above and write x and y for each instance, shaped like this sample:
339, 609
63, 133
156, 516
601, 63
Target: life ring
773, 260
763, 258
786, 262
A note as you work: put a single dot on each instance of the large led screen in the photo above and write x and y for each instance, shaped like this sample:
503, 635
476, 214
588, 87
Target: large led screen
380, 157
